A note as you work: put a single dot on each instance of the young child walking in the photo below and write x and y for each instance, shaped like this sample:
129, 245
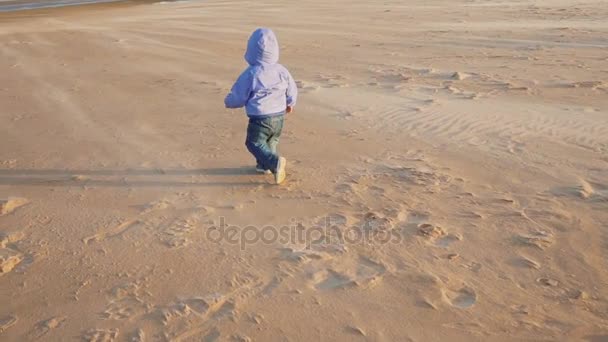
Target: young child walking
267, 91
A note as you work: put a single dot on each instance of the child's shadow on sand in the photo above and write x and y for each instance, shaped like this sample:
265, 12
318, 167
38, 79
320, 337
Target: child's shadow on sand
118, 178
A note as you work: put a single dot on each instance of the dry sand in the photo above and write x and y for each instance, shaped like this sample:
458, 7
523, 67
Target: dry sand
473, 133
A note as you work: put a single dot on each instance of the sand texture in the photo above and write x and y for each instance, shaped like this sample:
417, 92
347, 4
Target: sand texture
448, 172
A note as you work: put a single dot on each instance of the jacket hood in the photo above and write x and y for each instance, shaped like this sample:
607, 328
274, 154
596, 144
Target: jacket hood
262, 48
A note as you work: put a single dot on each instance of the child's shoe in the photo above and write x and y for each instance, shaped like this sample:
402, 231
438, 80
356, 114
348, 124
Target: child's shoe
279, 175
260, 169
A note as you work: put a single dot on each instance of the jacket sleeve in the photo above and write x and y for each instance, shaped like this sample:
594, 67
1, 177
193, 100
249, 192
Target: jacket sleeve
292, 90
240, 92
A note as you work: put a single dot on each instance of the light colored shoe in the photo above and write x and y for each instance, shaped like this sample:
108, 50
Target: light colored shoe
260, 170
279, 175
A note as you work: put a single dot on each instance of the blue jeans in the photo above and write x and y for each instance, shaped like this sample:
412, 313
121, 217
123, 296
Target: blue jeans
262, 139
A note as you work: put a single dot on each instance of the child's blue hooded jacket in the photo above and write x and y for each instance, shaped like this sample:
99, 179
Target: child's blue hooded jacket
265, 88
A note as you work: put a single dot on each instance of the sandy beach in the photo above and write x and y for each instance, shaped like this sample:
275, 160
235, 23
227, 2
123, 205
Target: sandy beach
447, 176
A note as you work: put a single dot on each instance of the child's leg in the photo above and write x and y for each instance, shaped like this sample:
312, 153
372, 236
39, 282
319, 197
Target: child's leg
258, 133
273, 140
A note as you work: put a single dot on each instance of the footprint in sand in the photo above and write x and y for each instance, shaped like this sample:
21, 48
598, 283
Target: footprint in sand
10, 257
173, 234
8, 205
176, 234
7, 322
373, 222
436, 235
187, 318
181, 310
330, 279
300, 255
123, 309
100, 335
126, 302
113, 231
369, 271
42, 328
547, 282
366, 272
463, 298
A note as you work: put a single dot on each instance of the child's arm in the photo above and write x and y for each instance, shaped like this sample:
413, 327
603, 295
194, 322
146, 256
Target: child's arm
240, 92
292, 92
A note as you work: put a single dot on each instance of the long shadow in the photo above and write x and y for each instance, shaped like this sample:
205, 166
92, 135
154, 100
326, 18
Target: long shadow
59, 177
220, 171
